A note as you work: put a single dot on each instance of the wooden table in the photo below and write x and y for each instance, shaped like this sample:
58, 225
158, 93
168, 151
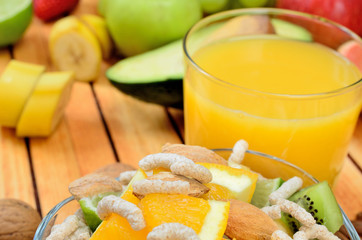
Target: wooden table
103, 126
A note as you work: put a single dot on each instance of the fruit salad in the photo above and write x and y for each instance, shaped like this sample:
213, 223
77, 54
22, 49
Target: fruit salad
190, 192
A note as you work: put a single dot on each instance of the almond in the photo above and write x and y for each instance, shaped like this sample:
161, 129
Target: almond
195, 153
197, 189
114, 169
248, 222
93, 184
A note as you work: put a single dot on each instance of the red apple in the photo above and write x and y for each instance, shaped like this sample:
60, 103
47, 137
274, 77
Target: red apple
345, 12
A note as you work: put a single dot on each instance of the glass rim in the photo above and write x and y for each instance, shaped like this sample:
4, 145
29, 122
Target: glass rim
52, 213
268, 11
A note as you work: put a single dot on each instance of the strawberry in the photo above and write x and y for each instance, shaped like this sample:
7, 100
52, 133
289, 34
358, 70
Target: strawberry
50, 9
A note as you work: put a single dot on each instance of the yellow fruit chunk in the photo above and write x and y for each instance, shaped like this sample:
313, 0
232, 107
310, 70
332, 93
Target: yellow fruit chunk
240, 182
45, 105
74, 47
115, 227
207, 218
160, 169
99, 28
243, 25
128, 193
217, 192
16, 84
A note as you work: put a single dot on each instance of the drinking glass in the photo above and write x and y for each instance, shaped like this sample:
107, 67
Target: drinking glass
235, 61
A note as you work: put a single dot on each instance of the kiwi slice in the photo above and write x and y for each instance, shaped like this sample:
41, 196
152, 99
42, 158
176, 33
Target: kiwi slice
319, 201
263, 188
89, 208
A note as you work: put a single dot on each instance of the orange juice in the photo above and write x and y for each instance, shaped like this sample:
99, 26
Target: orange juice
267, 90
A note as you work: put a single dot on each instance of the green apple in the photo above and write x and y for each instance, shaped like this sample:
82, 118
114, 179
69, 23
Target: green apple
253, 3
213, 6
102, 6
15, 16
137, 26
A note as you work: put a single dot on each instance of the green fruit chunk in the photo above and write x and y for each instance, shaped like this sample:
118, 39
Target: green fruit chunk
89, 208
15, 17
253, 3
155, 76
213, 6
290, 30
264, 187
137, 26
321, 203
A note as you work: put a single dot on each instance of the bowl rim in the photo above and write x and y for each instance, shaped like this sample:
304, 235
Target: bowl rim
349, 226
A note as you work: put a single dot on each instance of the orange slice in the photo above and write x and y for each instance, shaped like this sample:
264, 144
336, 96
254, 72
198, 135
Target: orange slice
240, 182
115, 227
128, 193
217, 192
207, 218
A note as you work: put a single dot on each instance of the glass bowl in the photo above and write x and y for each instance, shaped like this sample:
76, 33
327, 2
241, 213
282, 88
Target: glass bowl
267, 165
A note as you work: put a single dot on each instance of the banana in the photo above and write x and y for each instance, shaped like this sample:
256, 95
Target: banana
46, 105
98, 27
74, 47
16, 85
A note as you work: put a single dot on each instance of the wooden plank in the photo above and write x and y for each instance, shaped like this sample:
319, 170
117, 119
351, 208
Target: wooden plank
355, 148
86, 7
348, 190
79, 145
137, 128
177, 116
15, 174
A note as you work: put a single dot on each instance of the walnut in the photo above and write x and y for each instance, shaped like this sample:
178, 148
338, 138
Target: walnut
114, 169
18, 220
93, 184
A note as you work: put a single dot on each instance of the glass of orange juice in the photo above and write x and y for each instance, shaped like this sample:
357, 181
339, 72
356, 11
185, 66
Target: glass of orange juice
279, 79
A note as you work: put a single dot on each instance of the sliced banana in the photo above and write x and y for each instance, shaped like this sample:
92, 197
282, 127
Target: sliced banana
46, 105
74, 47
16, 85
99, 28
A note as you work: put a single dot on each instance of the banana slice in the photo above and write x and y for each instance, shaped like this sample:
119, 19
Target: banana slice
46, 105
99, 28
74, 47
16, 85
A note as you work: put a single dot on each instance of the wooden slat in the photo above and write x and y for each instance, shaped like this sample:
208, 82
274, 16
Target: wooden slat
137, 128
79, 145
355, 148
177, 116
348, 189
15, 174
86, 7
